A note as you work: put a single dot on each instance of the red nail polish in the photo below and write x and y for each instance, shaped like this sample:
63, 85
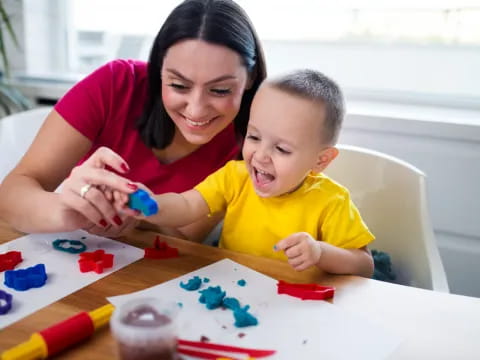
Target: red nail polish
132, 186
103, 223
117, 220
125, 167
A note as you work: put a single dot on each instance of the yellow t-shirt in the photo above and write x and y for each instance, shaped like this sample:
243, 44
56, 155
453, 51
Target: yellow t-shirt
253, 224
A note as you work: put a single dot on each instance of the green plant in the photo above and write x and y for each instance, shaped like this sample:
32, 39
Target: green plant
11, 99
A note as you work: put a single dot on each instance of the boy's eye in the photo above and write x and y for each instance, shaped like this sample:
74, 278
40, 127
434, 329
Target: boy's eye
252, 137
283, 151
220, 91
178, 86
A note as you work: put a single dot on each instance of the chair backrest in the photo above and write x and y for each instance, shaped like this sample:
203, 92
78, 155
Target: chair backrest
391, 196
17, 132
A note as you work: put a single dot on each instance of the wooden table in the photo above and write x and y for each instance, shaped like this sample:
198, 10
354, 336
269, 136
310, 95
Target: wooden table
433, 325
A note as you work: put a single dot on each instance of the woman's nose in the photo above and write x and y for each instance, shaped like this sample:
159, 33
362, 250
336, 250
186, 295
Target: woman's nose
197, 106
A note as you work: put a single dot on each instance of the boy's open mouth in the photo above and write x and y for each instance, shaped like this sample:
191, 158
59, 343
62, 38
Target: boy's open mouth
262, 177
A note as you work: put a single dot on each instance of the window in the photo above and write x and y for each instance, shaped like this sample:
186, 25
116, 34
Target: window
417, 51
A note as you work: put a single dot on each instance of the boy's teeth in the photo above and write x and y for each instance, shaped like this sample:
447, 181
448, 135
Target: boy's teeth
263, 175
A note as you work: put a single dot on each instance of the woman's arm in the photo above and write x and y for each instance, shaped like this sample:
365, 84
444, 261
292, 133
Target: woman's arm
27, 198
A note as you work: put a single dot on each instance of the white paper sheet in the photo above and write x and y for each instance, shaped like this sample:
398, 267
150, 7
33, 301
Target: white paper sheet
64, 276
296, 329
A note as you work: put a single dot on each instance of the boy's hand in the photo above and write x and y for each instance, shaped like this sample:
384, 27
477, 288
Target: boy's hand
120, 201
301, 249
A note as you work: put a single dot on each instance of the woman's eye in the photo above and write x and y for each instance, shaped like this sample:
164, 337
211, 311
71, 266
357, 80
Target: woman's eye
283, 151
177, 86
221, 91
252, 137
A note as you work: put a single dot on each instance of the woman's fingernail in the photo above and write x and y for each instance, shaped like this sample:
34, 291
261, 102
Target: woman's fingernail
132, 186
117, 220
125, 167
275, 247
103, 223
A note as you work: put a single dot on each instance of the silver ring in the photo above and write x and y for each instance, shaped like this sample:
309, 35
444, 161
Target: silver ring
84, 190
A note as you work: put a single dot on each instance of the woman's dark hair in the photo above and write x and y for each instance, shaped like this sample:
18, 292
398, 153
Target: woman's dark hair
220, 22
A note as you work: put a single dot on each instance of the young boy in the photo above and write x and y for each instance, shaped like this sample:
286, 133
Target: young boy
277, 203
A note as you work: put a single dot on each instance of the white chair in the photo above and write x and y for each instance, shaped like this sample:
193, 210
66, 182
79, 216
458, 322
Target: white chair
17, 132
391, 196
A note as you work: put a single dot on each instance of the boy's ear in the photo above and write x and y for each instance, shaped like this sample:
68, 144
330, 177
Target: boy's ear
325, 157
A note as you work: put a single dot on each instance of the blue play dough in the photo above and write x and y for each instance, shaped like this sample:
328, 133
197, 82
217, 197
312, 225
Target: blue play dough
231, 303
241, 282
206, 280
24, 279
212, 297
192, 284
243, 317
140, 200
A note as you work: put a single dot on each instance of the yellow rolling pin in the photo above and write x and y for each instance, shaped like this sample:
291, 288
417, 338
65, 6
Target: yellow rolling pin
58, 337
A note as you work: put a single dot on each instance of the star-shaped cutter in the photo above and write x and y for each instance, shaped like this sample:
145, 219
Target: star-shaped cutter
95, 261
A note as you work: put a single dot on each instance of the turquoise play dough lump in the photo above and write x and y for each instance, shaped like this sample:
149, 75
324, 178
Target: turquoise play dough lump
241, 282
192, 284
231, 303
243, 317
212, 297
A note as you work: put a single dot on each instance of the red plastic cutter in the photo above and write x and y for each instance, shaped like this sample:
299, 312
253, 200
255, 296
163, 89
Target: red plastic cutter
9, 260
161, 250
95, 261
305, 291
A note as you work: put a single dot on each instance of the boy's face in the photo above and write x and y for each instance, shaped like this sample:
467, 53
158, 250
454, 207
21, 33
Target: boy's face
283, 143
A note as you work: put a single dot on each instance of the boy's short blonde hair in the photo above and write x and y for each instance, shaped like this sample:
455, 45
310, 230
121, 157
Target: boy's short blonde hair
317, 87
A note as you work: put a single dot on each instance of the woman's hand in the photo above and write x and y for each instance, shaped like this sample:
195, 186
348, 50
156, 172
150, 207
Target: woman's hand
128, 224
302, 250
86, 205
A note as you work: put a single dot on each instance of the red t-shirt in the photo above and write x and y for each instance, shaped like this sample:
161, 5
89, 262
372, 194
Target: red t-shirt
105, 106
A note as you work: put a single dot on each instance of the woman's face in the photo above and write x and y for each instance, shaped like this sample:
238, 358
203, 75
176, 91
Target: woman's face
202, 88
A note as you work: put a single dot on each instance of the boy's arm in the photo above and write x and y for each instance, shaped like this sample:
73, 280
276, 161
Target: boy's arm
176, 210
336, 260
303, 251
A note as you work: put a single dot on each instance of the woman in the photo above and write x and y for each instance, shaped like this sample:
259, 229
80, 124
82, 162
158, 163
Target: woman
167, 124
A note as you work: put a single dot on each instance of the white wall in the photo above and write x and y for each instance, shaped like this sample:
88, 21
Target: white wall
447, 75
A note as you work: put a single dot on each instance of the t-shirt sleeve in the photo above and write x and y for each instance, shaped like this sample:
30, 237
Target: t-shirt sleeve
343, 226
86, 105
217, 188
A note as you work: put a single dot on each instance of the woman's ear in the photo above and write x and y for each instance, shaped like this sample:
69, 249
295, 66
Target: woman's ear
325, 157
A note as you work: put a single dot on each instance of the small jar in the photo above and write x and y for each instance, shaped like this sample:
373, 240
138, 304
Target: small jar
146, 329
